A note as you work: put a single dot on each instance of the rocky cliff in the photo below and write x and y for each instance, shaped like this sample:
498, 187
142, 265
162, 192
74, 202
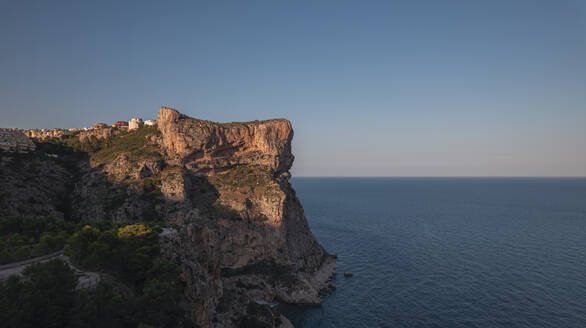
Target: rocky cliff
234, 224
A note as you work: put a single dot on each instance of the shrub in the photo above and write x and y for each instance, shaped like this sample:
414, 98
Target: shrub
135, 143
133, 230
126, 251
42, 299
21, 238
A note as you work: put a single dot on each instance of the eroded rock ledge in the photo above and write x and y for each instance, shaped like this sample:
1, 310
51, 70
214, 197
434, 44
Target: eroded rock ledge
206, 147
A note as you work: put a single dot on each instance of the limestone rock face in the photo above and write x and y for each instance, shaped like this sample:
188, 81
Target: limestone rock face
81, 134
15, 140
45, 133
206, 147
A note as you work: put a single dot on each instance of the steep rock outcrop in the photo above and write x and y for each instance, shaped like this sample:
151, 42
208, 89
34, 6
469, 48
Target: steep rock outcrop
207, 148
260, 247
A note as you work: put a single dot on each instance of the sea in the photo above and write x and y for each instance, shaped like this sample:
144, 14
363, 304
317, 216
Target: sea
449, 252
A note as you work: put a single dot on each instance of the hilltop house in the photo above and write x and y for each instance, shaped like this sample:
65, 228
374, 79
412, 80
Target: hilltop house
120, 124
134, 123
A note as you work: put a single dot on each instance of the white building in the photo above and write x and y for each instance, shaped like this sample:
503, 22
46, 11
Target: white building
149, 122
134, 123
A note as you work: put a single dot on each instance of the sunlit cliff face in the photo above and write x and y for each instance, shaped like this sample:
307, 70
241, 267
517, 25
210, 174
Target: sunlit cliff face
207, 148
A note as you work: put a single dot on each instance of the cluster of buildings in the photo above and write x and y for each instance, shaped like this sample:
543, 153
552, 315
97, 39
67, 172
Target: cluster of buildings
133, 124
19, 140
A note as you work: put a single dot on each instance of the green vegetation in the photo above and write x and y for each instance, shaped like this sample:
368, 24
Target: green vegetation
137, 288
156, 304
134, 231
125, 251
225, 212
247, 180
43, 298
46, 297
250, 181
136, 144
23, 238
243, 176
112, 186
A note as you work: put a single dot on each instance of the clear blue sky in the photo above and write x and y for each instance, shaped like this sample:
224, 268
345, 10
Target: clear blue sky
383, 88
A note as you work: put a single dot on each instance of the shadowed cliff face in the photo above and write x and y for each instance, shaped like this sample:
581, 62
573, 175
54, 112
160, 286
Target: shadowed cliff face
234, 223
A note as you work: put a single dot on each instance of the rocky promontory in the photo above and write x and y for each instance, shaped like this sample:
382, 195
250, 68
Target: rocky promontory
232, 220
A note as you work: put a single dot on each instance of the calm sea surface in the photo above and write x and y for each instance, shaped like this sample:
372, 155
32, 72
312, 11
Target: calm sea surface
449, 252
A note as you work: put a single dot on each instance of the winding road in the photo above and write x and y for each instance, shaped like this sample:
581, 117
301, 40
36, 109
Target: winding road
85, 279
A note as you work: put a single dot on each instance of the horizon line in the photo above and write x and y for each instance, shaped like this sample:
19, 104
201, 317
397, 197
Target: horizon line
444, 176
